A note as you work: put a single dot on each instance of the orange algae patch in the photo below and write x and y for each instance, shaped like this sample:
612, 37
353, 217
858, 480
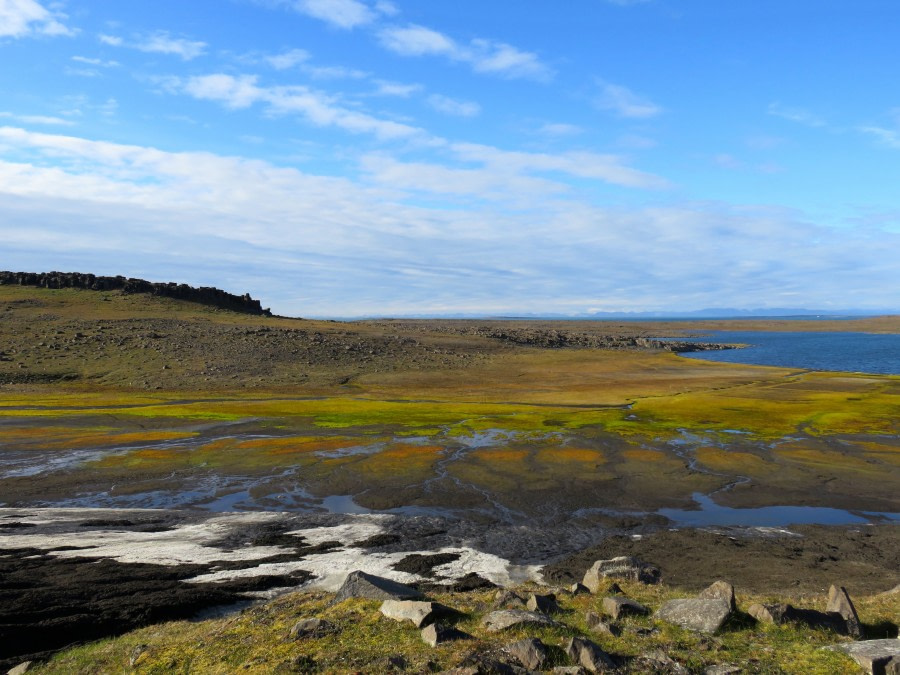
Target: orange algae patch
733, 461
500, 455
289, 445
400, 459
823, 458
644, 455
69, 438
565, 455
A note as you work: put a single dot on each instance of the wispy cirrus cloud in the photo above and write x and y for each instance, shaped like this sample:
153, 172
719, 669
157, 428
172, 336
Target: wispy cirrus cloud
483, 56
38, 119
316, 107
624, 102
450, 106
344, 14
24, 18
795, 114
159, 42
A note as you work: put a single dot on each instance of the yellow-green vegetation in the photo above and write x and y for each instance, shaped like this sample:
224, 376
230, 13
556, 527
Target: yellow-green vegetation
257, 640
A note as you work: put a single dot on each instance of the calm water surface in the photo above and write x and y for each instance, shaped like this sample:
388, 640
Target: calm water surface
846, 352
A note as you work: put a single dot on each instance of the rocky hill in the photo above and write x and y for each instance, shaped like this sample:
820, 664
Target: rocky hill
205, 295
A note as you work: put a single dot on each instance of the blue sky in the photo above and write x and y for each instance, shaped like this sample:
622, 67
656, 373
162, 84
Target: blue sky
374, 157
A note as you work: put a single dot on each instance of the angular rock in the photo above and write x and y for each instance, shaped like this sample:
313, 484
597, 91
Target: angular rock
697, 614
578, 589
619, 607
872, 655
308, 628
20, 669
436, 634
598, 625
723, 669
720, 590
530, 653
776, 614
363, 585
506, 599
419, 612
623, 567
502, 619
542, 603
589, 656
658, 661
839, 604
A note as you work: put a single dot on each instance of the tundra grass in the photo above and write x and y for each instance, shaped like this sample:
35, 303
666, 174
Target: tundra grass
257, 640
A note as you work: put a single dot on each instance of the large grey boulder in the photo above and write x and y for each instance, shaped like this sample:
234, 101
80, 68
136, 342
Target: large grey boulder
619, 607
840, 605
589, 655
503, 619
531, 653
363, 585
506, 599
542, 603
775, 613
310, 628
598, 625
436, 634
720, 590
697, 614
419, 612
623, 567
874, 656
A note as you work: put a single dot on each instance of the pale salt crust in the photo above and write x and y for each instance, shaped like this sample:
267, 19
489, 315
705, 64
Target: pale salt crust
188, 544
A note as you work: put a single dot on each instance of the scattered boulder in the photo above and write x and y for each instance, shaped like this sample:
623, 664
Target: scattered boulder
598, 625
437, 634
503, 619
20, 669
723, 669
578, 589
419, 612
658, 661
620, 607
872, 655
542, 603
840, 605
775, 613
589, 656
720, 590
506, 599
531, 653
623, 567
697, 614
363, 585
309, 628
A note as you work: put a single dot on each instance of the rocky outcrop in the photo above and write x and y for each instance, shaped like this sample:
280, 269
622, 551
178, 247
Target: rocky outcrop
841, 606
363, 585
720, 590
530, 652
503, 619
621, 607
589, 655
697, 614
420, 613
205, 295
622, 567
874, 656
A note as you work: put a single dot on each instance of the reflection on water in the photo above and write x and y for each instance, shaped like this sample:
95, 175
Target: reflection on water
711, 513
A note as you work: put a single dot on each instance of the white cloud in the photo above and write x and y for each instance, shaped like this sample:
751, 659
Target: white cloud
21, 18
560, 129
315, 245
37, 119
450, 106
386, 8
161, 42
341, 13
386, 88
316, 107
287, 59
798, 115
888, 137
624, 102
112, 40
100, 63
484, 56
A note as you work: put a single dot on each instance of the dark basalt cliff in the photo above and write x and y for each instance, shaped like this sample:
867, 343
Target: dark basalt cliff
204, 295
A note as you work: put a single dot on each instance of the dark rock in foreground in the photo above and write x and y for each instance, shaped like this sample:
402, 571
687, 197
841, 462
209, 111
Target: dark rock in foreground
362, 585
